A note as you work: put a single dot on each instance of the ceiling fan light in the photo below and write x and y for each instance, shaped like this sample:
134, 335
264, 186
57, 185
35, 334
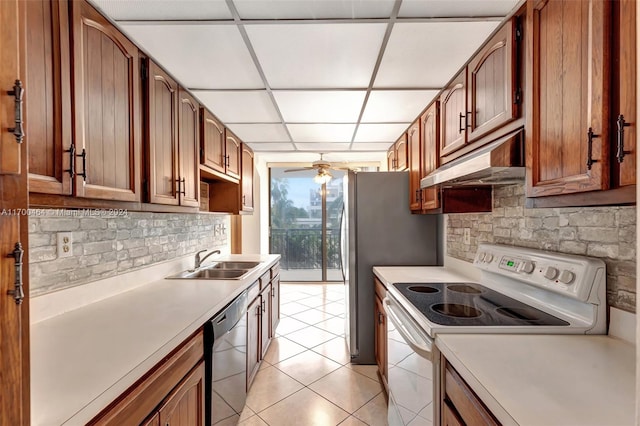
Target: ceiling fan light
322, 177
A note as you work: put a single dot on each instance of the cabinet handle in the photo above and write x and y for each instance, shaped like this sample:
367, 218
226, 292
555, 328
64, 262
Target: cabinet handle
18, 94
258, 311
72, 161
590, 137
460, 126
17, 292
83, 154
227, 161
264, 307
181, 184
380, 318
620, 153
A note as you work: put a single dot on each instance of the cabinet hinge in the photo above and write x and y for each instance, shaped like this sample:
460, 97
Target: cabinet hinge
144, 70
519, 31
517, 96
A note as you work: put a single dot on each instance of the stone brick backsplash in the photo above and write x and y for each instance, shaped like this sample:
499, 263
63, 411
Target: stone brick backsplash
608, 233
106, 245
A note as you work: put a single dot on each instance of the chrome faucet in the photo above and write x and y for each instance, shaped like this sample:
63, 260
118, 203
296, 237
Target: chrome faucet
199, 260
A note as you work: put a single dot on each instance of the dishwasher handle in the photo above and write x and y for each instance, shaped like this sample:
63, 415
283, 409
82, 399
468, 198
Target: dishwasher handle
409, 332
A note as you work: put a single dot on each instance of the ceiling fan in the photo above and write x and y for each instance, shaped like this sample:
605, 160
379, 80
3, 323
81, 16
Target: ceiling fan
323, 167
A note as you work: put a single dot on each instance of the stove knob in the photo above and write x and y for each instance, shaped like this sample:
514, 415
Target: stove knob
551, 273
481, 256
488, 258
527, 267
566, 277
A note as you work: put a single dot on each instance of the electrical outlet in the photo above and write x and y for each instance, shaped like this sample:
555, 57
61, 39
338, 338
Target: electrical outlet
65, 244
466, 236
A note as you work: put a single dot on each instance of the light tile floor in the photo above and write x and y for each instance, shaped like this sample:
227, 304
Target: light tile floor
306, 378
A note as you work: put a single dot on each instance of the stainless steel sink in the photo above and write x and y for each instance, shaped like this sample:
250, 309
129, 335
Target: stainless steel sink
211, 274
235, 265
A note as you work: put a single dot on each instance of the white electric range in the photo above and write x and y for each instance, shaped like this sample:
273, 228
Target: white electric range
520, 291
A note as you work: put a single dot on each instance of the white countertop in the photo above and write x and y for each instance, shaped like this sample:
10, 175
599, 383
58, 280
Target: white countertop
548, 379
83, 359
538, 380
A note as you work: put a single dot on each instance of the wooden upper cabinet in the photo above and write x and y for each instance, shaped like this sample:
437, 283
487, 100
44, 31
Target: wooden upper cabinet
246, 183
402, 153
185, 405
213, 141
453, 115
492, 77
415, 166
391, 158
567, 96
430, 124
10, 157
162, 161
106, 83
624, 81
188, 148
232, 149
47, 108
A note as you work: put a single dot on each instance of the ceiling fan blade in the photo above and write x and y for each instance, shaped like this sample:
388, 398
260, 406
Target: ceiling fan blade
299, 170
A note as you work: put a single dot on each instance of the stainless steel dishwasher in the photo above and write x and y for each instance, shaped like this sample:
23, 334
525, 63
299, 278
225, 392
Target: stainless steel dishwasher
225, 354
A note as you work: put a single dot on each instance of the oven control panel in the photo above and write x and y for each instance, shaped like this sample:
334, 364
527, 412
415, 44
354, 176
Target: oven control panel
570, 275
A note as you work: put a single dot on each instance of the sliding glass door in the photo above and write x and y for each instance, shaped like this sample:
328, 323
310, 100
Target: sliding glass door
304, 224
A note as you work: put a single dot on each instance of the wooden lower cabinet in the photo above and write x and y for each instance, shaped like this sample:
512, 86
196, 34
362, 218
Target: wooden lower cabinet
380, 335
253, 339
275, 305
172, 393
265, 319
459, 404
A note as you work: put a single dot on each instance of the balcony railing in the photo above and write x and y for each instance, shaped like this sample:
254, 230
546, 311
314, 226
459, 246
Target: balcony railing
301, 248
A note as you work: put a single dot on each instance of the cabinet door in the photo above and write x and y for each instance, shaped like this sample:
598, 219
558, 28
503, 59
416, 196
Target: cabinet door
450, 417
10, 149
391, 158
152, 421
430, 123
265, 320
233, 154
492, 81
188, 144
253, 339
624, 92
402, 153
247, 179
567, 97
162, 120
47, 108
415, 173
106, 82
453, 115
185, 405
275, 305
381, 338
213, 141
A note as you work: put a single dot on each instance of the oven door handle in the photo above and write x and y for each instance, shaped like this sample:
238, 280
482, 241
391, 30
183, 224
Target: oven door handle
409, 331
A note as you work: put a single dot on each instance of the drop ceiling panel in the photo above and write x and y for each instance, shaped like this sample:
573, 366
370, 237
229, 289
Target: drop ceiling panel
270, 147
320, 106
398, 106
371, 146
428, 54
322, 146
313, 9
458, 8
379, 132
260, 132
321, 132
317, 55
198, 55
145, 10
240, 106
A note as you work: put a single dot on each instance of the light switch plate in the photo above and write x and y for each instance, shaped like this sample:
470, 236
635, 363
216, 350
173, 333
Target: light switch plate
65, 244
466, 236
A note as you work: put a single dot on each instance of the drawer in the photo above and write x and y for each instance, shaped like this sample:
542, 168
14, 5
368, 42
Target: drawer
254, 291
381, 290
265, 279
275, 270
464, 401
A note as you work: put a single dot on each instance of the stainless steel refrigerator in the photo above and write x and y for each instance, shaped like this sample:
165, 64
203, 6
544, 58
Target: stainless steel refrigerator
378, 229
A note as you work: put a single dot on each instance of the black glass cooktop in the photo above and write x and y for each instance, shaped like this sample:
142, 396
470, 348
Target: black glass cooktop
471, 304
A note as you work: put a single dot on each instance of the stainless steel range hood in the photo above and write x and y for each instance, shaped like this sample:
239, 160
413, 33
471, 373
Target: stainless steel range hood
499, 163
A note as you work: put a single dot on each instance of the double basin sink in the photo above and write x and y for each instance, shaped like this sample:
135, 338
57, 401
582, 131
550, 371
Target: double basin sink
218, 271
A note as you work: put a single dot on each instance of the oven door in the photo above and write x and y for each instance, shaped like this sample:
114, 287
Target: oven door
410, 369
